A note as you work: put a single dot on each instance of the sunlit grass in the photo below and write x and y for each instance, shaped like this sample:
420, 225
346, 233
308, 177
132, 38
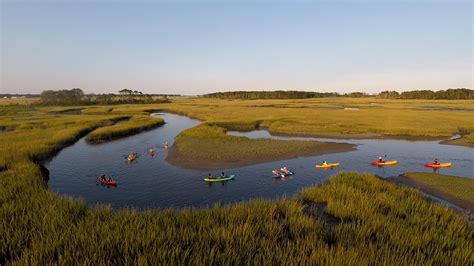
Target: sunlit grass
134, 125
209, 143
455, 186
316, 117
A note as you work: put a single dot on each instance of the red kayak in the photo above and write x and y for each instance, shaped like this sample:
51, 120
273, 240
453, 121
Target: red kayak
105, 182
440, 165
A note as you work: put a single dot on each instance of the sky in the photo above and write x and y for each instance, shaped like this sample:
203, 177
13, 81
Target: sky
196, 47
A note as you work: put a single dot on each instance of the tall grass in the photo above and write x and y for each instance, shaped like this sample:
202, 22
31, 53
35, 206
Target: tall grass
455, 186
134, 125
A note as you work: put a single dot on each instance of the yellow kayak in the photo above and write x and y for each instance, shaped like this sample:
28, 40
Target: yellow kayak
384, 163
329, 165
131, 158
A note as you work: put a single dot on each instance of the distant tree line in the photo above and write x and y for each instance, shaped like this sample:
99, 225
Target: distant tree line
449, 94
454, 94
77, 97
279, 95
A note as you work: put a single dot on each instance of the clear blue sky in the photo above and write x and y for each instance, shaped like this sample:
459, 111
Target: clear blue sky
193, 47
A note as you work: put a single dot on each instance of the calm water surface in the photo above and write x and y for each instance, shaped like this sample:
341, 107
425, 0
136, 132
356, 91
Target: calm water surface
151, 182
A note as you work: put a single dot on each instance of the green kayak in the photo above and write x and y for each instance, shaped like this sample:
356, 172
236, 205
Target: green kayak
219, 179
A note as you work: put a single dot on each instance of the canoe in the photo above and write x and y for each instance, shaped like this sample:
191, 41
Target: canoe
108, 183
329, 165
384, 163
441, 165
283, 175
220, 179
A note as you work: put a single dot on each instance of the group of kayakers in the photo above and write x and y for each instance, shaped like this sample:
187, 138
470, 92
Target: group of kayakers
381, 160
104, 178
283, 172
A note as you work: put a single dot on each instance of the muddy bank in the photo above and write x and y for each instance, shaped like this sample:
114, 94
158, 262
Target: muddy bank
339, 135
458, 140
464, 204
180, 159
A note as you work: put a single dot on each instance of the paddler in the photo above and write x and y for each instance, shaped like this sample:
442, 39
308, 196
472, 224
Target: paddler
275, 172
436, 162
381, 159
285, 170
209, 176
325, 163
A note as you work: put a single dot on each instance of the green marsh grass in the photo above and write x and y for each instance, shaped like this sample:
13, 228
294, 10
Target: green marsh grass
134, 125
210, 143
455, 186
327, 117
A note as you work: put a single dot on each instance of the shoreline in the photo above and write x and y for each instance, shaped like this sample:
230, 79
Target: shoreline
457, 142
463, 204
176, 158
338, 135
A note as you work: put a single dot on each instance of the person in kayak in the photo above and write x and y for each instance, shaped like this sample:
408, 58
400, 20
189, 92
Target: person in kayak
165, 144
275, 172
436, 162
222, 175
285, 170
209, 176
106, 178
325, 163
380, 160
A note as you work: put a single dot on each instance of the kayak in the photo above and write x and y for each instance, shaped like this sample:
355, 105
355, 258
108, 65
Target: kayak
283, 175
219, 179
108, 183
441, 165
329, 165
384, 163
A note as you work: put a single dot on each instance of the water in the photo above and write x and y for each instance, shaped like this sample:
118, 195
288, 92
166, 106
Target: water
151, 182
